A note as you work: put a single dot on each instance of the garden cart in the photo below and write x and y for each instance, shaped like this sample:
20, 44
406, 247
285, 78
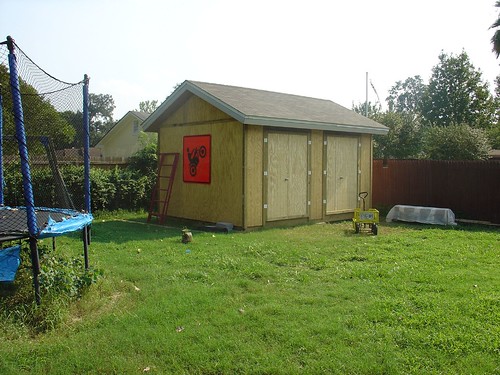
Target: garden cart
365, 219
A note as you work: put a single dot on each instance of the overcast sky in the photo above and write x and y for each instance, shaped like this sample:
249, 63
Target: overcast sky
139, 50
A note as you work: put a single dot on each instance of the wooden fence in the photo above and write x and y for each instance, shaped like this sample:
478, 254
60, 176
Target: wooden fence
470, 188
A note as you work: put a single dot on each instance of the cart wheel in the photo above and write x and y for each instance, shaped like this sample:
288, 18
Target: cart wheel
357, 227
374, 229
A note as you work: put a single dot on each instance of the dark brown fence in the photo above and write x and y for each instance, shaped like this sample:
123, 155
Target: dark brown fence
470, 188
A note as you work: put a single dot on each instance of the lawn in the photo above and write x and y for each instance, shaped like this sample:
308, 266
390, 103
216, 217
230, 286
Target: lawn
309, 299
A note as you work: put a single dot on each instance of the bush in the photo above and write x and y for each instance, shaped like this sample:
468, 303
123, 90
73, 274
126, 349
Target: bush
62, 280
128, 188
456, 142
131, 190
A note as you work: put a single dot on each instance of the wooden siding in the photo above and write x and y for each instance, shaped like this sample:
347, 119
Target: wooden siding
221, 200
366, 167
254, 139
287, 179
196, 110
341, 173
316, 178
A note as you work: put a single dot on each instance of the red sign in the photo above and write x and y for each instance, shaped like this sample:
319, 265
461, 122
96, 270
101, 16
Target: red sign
196, 158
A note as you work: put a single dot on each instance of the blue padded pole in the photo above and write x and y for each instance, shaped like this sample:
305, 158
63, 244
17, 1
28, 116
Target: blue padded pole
1, 148
86, 144
21, 140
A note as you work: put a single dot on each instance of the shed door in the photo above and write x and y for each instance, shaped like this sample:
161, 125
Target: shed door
341, 174
287, 176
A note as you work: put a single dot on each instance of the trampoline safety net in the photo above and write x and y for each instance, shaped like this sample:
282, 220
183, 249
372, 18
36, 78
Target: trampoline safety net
55, 142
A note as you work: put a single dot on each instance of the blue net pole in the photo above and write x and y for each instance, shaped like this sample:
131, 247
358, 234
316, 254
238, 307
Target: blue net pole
21, 140
86, 143
1, 148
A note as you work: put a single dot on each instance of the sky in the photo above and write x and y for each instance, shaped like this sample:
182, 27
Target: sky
137, 50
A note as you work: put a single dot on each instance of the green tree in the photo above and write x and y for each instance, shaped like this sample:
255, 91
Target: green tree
101, 107
404, 140
457, 95
40, 116
76, 121
148, 106
406, 96
456, 142
374, 109
495, 39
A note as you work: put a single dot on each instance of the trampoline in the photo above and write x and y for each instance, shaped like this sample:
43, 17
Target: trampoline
51, 222
29, 168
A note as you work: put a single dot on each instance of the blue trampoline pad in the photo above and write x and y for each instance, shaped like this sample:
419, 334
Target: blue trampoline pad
51, 222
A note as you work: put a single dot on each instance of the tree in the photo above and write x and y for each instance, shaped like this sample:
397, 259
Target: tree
148, 106
76, 121
456, 142
40, 116
494, 130
404, 140
373, 109
101, 107
495, 39
457, 95
406, 96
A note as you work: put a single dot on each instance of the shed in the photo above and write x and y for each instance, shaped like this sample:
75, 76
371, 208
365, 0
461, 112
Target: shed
263, 158
125, 137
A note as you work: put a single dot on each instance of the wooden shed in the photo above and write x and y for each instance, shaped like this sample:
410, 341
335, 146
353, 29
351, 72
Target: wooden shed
262, 158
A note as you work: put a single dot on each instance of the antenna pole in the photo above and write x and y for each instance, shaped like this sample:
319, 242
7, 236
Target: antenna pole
366, 101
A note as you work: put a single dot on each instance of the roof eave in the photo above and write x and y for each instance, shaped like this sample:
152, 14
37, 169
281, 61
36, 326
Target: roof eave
297, 124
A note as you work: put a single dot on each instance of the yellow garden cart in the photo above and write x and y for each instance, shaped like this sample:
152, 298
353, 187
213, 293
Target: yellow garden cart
365, 219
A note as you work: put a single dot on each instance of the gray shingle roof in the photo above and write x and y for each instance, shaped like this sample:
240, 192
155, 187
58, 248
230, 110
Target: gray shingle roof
267, 108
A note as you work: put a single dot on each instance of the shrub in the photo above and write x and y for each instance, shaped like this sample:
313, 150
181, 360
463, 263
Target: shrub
456, 142
62, 280
128, 188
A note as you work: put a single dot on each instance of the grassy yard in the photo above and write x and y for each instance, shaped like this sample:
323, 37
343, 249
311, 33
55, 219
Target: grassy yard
310, 299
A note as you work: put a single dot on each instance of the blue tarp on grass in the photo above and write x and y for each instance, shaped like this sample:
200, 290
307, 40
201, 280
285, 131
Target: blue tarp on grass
9, 262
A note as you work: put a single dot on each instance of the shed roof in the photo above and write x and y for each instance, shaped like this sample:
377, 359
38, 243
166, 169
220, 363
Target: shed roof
267, 108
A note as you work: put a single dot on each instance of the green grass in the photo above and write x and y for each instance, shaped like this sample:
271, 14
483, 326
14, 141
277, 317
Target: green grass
310, 299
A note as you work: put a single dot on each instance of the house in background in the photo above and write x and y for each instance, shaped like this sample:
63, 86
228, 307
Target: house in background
257, 158
125, 138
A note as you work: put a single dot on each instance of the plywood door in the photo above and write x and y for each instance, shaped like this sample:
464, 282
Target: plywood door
341, 174
287, 176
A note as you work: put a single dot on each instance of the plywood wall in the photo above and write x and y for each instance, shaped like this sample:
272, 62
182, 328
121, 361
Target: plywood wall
316, 178
287, 177
221, 200
366, 166
342, 156
254, 139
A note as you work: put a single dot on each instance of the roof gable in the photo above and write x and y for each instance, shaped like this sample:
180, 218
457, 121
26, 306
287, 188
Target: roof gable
267, 108
141, 116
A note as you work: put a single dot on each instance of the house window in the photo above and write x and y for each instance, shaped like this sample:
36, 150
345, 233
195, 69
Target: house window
135, 127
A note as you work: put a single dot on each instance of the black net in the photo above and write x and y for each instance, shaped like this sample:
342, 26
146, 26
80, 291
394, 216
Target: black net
53, 122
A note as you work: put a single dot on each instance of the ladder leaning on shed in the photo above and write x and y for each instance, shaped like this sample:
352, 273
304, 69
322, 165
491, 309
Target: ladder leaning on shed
160, 197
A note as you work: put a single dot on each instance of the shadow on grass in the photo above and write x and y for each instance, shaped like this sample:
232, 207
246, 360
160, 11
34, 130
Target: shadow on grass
122, 231
468, 227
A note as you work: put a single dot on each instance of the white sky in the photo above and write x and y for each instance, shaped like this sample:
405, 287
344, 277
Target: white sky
139, 50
